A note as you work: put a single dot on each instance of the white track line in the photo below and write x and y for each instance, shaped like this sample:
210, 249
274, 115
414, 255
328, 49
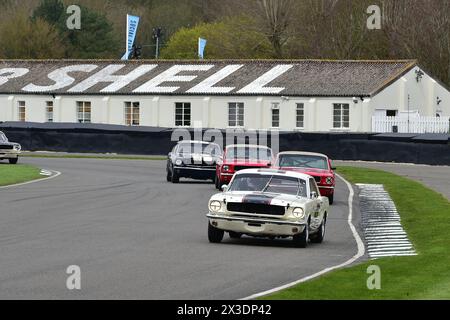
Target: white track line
55, 174
359, 254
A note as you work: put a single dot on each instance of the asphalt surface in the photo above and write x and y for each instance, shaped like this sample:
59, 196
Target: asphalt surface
135, 236
434, 177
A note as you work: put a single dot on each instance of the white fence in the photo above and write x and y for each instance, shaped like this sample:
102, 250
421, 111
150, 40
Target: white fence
411, 125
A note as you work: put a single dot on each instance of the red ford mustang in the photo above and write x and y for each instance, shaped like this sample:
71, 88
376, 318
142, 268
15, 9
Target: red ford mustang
239, 157
314, 164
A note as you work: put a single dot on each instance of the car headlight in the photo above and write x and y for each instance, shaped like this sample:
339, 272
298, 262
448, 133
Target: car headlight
215, 206
17, 147
178, 162
298, 213
226, 168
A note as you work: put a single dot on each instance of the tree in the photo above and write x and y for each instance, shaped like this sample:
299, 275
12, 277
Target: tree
276, 20
50, 11
231, 38
22, 38
95, 40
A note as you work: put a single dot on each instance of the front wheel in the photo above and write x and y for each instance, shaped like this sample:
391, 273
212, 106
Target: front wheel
168, 176
217, 183
13, 160
215, 235
331, 199
175, 177
301, 240
320, 235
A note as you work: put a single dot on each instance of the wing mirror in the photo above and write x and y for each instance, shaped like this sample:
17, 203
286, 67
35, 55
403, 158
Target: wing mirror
224, 188
314, 195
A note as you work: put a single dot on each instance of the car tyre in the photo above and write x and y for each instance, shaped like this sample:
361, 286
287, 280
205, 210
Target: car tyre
215, 235
14, 160
169, 176
331, 199
320, 235
301, 240
235, 235
217, 183
175, 177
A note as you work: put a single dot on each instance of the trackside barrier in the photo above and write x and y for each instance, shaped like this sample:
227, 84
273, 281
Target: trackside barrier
432, 149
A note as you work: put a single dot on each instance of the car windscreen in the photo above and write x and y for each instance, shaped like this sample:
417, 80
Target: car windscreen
3, 137
249, 153
303, 161
269, 184
198, 148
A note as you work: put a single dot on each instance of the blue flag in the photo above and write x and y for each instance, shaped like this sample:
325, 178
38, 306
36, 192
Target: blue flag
201, 47
132, 26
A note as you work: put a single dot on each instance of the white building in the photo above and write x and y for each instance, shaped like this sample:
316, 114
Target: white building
309, 95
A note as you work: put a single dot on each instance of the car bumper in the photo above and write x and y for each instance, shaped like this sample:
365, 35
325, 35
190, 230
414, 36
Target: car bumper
326, 191
195, 172
256, 226
9, 154
225, 178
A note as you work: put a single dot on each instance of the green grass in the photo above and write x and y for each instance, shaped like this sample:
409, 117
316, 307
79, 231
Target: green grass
426, 218
12, 174
106, 157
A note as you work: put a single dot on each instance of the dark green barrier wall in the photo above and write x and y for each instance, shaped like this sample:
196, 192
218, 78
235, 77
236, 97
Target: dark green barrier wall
93, 138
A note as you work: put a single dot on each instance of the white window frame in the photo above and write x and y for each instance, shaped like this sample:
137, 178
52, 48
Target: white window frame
82, 115
186, 118
21, 111
299, 107
238, 118
275, 115
49, 115
339, 110
135, 117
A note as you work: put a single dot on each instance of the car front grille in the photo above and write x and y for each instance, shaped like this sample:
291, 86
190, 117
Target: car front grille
6, 147
239, 168
256, 208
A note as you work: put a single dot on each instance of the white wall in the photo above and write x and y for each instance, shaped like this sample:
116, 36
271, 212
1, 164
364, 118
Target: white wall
423, 96
212, 112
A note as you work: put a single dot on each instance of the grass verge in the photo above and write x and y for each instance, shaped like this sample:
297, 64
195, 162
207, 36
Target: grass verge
426, 218
12, 174
106, 157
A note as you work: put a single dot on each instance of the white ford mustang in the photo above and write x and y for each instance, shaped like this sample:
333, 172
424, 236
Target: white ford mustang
269, 203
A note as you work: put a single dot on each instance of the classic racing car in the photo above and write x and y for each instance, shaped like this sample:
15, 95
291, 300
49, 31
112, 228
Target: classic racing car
316, 165
269, 203
193, 159
239, 157
9, 150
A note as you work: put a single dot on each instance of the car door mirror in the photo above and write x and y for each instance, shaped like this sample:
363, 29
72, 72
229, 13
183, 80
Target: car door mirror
333, 168
314, 195
224, 188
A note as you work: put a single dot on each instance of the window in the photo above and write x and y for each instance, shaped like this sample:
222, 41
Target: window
275, 116
300, 115
182, 114
132, 113
391, 113
22, 111
49, 111
341, 116
84, 111
313, 187
235, 114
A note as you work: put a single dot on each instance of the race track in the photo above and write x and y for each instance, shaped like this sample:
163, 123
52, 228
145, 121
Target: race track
135, 236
